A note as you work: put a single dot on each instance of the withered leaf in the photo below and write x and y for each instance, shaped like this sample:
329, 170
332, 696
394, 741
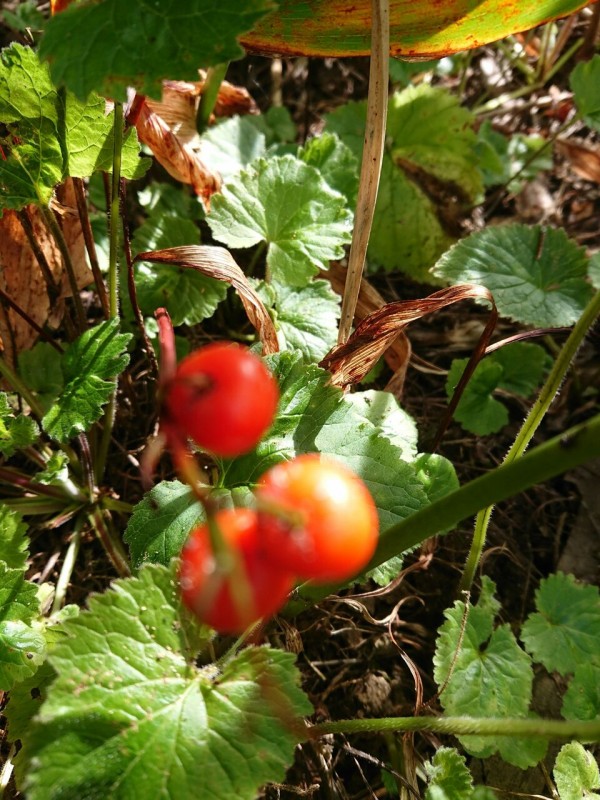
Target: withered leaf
218, 263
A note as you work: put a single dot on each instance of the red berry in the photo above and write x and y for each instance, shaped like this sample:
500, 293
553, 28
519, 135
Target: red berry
223, 397
331, 530
231, 601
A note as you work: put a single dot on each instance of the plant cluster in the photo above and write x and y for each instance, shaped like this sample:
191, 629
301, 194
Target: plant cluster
208, 311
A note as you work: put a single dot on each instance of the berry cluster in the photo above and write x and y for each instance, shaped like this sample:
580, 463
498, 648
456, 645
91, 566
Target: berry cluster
314, 519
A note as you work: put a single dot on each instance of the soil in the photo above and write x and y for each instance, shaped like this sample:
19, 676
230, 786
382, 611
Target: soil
370, 654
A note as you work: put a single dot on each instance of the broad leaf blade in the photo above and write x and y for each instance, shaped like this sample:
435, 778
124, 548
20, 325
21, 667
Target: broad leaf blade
576, 773
13, 539
490, 677
90, 367
448, 776
537, 275
582, 698
22, 647
417, 28
307, 318
139, 694
585, 82
287, 204
16, 430
414, 222
565, 630
109, 45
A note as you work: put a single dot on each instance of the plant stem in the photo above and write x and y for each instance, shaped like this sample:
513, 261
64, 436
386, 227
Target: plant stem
210, 93
532, 422
90, 245
110, 542
66, 571
113, 280
462, 726
577, 445
59, 238
15, 477
112, 504
372, 158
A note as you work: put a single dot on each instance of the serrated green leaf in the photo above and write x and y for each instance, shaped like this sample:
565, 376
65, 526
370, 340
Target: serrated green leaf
287, 204
307, 318
582, 698
437, 475
490, 677
232, 145
22, 648
188, 296
90, 366
161, 522
477, 411
510, 160
523, 366
448, 776
277, 126
537, 275
576, 773
565, 630
16, 430
108, 46
335, 161
382, 410
127, 688
585, 83
51, 136
13, 539
413, 223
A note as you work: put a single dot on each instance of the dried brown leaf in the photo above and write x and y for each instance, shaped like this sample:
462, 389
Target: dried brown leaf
583, 159
168, 127
21, 276
218, 263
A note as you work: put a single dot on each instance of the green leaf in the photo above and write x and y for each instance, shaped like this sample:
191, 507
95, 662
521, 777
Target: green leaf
594, 270
51, 136
510, 160
382, 410
437, 475
13, 539
107, 46
90, 366
307, 318
335, 161
448, 776
415, 218
477, 411
585, 83
127, 689
490, 677
22, 648
40, 368
232, 145
277, 126
188, 296
576, 773
287, 204
16, 431
523, 366
537, 275
565, 630
582, 698
161, 522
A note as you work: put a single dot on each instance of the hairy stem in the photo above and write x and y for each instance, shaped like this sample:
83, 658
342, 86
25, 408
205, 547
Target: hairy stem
462, 726
532, 422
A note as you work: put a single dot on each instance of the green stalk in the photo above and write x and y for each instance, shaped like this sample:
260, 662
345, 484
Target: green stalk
113, 279
210, 91
463, 726
66, 571
529, 427
110, 542
11, 377
576, 446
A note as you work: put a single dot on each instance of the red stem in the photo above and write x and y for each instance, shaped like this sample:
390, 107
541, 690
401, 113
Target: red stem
166, 337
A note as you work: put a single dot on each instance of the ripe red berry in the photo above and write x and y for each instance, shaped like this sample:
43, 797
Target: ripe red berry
331, 529
223, 397
230, 601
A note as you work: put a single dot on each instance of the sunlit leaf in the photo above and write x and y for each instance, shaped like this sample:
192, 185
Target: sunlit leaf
576, 773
